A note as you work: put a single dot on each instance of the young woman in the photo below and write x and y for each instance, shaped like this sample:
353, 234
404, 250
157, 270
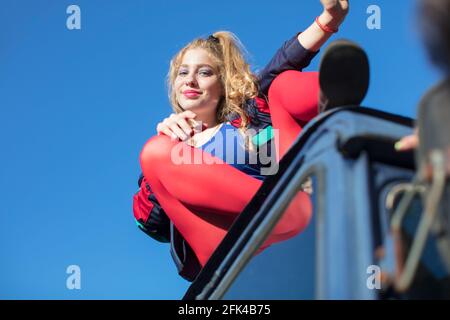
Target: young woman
211, 84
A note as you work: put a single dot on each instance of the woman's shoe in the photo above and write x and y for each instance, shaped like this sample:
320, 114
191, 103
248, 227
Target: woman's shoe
343, 75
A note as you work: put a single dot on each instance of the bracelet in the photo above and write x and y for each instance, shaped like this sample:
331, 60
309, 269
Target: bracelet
326, 28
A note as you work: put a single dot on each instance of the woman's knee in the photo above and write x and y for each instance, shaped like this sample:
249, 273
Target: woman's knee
280, 82
156, 149
295, 92
294, 80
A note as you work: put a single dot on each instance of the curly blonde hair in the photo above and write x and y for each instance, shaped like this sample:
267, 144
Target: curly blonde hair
238, 82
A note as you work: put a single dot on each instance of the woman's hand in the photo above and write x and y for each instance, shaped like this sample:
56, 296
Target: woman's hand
336, 8
335, 12
180, 126
408, 143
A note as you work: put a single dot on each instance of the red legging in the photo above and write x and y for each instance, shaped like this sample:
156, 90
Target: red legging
203, 200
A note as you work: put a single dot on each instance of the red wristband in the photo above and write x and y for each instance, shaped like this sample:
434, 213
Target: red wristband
326, 28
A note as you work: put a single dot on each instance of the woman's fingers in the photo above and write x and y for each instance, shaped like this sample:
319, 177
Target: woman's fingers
184, 125
163, 129
178, 126
171, 123
344, 4
177, 130
407, 143
185, 121
197, 126
167, 127
339, 7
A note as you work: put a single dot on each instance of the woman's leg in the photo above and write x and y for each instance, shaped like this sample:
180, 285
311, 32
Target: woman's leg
209, 184
293, 98
203, 200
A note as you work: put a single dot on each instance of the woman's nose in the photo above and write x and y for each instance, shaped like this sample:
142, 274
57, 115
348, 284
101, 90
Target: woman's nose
190, 80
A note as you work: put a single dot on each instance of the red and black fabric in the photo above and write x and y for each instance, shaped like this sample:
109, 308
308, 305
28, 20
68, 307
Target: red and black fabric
149, 214
258, 112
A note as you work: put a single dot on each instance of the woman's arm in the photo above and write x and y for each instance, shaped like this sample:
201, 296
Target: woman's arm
334, 13
297, 52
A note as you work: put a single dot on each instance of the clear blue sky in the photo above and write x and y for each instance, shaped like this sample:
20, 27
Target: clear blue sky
77, 106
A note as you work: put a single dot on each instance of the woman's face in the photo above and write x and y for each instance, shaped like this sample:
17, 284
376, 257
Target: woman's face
197, 85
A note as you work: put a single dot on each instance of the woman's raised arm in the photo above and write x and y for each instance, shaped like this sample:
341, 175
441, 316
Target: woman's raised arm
334, 13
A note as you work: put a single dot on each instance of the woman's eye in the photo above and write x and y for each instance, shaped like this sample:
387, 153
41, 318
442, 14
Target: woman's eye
205, 72
182, 72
